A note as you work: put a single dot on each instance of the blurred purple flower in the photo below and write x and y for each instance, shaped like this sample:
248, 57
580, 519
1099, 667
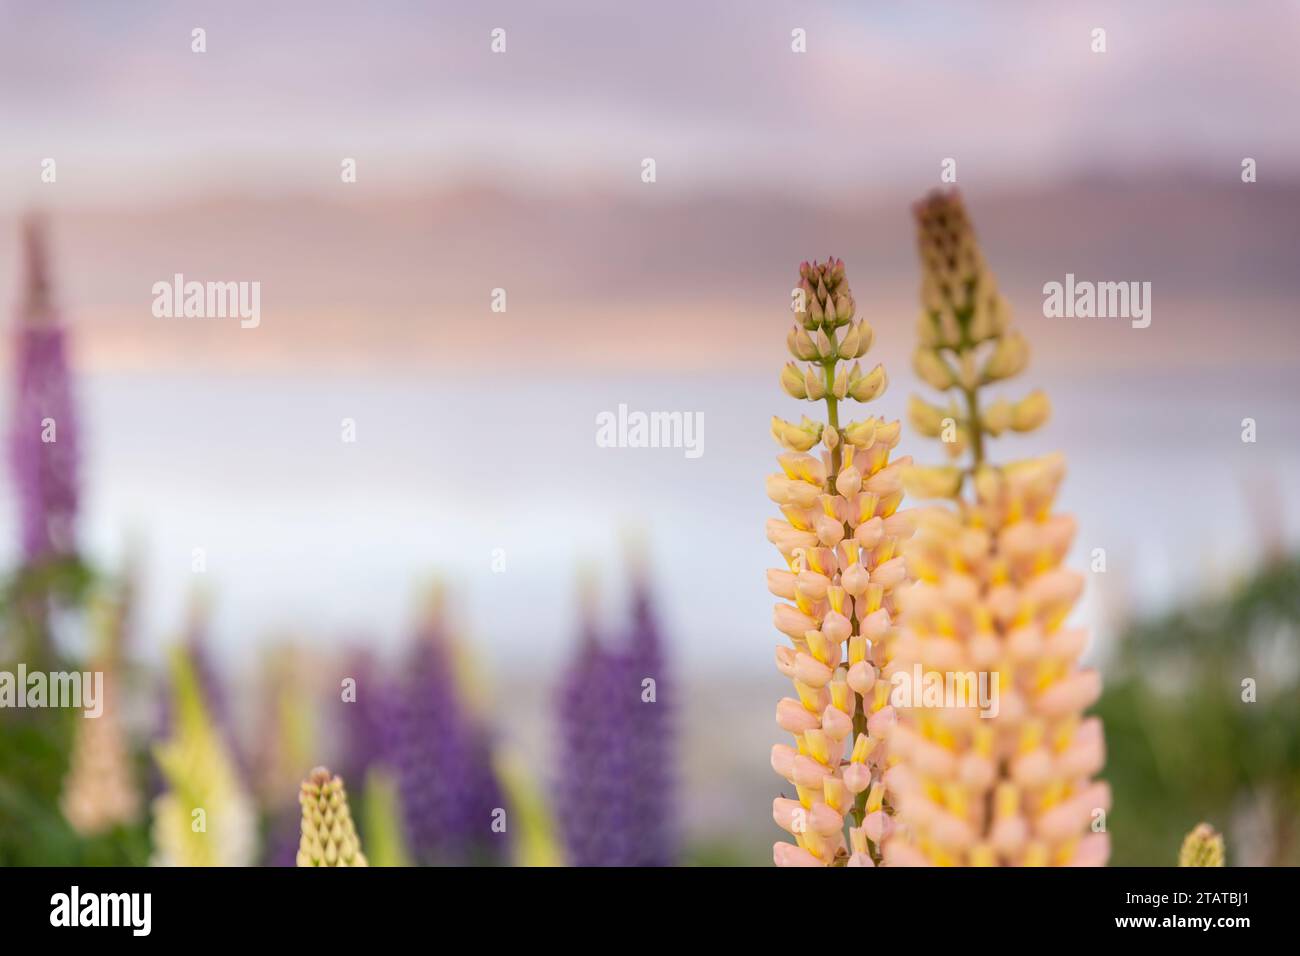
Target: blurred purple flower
441, 755
364, 722
616, 765
283, 833
43, 437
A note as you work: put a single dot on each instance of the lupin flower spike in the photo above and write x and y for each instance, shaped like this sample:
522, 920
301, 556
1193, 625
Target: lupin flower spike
440, 752
204, 818
329, 837
1203, 846
615, 793
840, 538
100, 790
43, 441
965, 344
1005, 779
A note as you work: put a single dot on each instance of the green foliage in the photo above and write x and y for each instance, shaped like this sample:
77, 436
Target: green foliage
1183, 744
34, 751
35, 745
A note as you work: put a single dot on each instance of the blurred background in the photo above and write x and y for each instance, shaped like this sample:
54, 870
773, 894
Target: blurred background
474, 547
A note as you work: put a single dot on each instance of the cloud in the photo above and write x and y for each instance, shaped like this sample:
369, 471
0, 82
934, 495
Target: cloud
588, 88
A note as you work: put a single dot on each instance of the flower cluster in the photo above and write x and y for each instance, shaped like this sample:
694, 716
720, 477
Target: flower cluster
1010, 783
614, 792
840, 537
329, 837
100, 791
43, 441
204, 817
440, 753
1202, 847
196, 645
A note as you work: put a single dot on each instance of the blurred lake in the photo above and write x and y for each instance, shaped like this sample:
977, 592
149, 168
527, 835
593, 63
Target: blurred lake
308, 535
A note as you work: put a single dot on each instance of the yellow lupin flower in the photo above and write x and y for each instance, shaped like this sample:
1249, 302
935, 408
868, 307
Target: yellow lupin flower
1001, 776
839, 536
204, 818
329, 838
1203, 846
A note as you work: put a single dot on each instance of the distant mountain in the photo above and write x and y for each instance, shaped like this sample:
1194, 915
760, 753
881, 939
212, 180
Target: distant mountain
660, 279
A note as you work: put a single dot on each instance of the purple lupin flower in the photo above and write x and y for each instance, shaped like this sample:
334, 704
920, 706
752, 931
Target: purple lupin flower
616, 769
441, 755
283, 832
652, 736
594, 766
43, 436
365, 723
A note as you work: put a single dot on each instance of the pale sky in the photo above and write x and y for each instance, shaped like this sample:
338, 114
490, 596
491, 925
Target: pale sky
586, 89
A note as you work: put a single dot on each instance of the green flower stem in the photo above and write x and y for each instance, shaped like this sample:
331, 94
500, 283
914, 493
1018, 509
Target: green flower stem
976, 426
859, 810
832, 419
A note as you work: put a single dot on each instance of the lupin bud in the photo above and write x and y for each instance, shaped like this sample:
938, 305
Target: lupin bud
844, 308
997, 418
800, 437
841, 387
924, 417
328, 835
793, 382
814, 384
861, 434
942, 481
825, 348
865, 335
949, 327
801, 345
989, 319
1202, 847
836, 269
956, 446
849, 481
1009, 358
848, 346
831, 320
933, 370
869, 387
926, 331
1030, 412
968, 375
816, 314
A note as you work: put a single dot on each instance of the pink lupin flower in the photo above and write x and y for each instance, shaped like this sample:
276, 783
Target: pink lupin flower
1004, 778
839, 534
